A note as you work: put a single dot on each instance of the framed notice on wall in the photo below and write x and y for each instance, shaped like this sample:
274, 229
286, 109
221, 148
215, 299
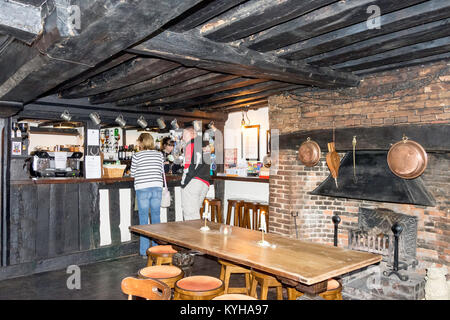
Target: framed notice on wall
250, 142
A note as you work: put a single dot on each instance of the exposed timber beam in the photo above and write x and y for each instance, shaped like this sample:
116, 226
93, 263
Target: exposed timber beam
22, 21
203, 14
127, 73
106, 28
415, 51
425, 12
254, 16
332, 17
383, 43
167, 79
191, 84
190, 49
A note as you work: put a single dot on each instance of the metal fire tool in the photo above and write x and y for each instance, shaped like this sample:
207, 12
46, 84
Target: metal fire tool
354, 159
295, 215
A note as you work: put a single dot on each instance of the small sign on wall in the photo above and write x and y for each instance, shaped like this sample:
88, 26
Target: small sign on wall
16, 148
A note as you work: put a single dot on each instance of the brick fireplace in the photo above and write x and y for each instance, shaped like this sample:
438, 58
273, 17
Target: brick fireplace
416, 95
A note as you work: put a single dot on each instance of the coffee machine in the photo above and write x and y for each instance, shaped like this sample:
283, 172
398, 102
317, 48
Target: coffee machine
56, 164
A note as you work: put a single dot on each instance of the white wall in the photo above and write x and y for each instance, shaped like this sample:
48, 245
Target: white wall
232, 134
232, 139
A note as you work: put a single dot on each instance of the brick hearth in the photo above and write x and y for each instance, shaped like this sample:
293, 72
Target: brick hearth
411, 95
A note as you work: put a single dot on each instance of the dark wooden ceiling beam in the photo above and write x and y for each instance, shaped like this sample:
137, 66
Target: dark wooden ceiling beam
167, 79
254, 16
203, 14
332, 17
107, 28
104, 66
245, 98
130, 72
20, 21
207, 89
190, 49
232, 93
425, 12
261, 103
404, 64
425, 32
191, 84
415, 51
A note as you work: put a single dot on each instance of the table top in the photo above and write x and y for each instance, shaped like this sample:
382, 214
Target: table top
301, 261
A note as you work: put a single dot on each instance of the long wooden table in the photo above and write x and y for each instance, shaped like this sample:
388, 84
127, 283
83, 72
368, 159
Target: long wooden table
297, 263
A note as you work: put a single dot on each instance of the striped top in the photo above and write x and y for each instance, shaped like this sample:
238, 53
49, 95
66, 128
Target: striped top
146, 168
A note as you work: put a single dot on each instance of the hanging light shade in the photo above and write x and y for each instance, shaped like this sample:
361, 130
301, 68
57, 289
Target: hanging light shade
120, 121
174, 124
66, 115
95, 117
142, 122
161, 123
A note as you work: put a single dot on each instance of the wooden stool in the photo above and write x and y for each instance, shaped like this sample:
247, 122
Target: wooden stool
234, 297
167, 274
227, 269
245, 220
198, 288
334, 291
216, 209
149, 289
160, 255
265, 281
237, 204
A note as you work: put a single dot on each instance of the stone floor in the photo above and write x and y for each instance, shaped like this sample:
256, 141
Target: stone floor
99, 281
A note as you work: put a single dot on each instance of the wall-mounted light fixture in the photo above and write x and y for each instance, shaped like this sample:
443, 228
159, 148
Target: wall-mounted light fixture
142, 122
95, 117
120, 121
66, 115
161, 123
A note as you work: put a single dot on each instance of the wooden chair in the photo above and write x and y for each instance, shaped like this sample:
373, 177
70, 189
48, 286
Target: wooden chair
216, 209
198, 288
149, 289
166, 274
237, 205
334, 291
265, 281
234, 296
159, 255
227, 269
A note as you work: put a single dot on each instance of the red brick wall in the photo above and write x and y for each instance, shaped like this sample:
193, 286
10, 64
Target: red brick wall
410, 95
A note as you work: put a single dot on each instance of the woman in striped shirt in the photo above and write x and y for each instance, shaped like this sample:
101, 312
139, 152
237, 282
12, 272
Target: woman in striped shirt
146, 168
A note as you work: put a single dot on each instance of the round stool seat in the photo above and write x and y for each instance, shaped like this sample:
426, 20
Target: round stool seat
333, 284
199, 283
234, 296
163, 249
160, 272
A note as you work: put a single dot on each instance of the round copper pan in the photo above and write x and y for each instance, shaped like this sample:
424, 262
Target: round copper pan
407, 159
309, 153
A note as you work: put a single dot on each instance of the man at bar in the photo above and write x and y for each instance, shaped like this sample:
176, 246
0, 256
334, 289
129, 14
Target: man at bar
196, 176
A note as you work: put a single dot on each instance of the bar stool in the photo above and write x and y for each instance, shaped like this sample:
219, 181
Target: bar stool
216, 209
234, 296
334, 291
246, 220
149, 289
262, 208
265, 281
237, 205
198, 288
166, 274
227, 269
159, 255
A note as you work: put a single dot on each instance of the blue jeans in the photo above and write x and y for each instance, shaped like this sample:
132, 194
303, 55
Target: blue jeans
148, 198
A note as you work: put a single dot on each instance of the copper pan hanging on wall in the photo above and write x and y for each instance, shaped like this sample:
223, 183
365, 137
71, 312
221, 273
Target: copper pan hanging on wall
309, 153
407, 159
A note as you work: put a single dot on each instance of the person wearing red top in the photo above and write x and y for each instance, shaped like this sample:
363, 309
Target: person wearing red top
196, 176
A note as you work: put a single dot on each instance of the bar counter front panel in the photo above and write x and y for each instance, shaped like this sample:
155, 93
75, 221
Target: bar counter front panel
57, 222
